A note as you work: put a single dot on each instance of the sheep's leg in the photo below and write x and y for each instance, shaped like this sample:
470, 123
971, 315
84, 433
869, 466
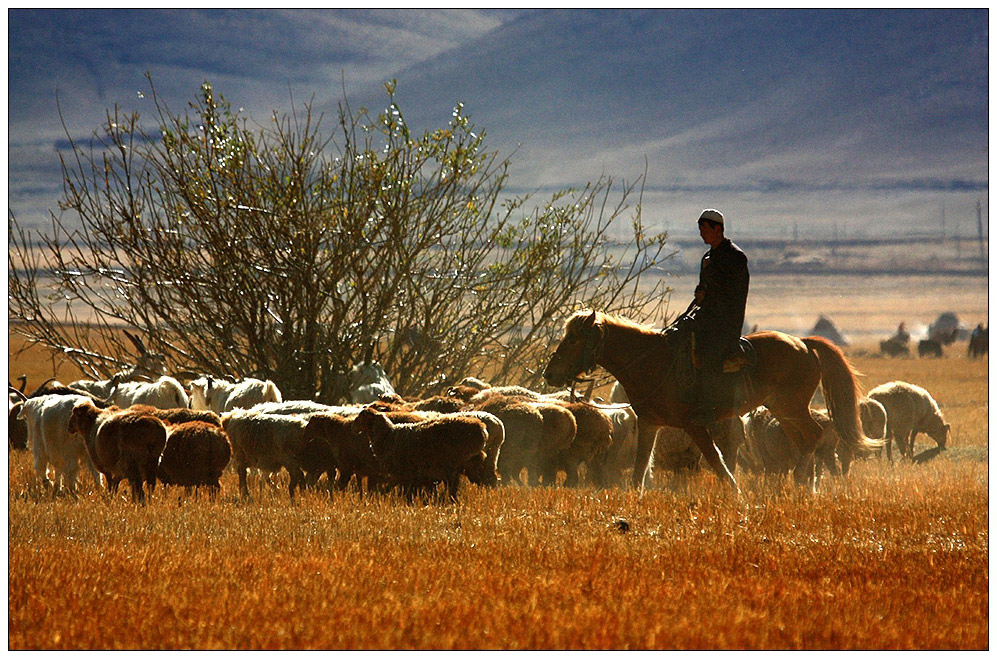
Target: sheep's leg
297, 478
41, 465
243, 472
453, 483
134, 477
571, 478
343, 480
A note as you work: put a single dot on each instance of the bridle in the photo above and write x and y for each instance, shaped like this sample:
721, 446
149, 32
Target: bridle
588, 359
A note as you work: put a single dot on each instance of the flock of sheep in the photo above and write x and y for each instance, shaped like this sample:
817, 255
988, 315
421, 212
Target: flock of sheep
144, 430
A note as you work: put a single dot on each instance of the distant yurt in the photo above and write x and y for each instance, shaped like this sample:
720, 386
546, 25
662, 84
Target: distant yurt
825, 328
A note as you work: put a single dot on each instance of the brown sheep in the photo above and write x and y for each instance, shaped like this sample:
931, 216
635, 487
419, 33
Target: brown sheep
122, 444
332, 444
196, 454
178, 415
480, 472
418, 456
17, 429
523, 426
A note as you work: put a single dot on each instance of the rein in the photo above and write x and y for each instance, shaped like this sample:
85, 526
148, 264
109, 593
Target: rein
589, 342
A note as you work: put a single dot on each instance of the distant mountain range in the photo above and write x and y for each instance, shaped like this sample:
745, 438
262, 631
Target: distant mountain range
844, 121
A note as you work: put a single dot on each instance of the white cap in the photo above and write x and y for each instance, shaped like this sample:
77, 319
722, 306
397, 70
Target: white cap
712, 215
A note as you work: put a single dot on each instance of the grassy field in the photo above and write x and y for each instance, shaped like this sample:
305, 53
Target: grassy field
891, 557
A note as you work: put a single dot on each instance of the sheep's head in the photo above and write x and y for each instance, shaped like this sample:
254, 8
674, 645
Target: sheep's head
151, 364
375, 427
82, 418
198, 393
940, 434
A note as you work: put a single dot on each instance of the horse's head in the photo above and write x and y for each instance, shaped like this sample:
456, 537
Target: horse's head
578, 351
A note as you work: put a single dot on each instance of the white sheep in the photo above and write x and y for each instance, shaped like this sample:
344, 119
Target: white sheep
268, 442
910, 410
368, 382
165, 393
304, 407
207, 393
47, 420
610, 467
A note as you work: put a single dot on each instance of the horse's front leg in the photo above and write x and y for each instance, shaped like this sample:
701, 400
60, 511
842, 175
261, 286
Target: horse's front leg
710, 451
646, 433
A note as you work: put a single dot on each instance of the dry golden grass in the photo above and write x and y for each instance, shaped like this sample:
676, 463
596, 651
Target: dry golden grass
891, 557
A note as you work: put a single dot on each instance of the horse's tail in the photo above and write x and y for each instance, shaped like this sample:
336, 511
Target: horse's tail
842, 394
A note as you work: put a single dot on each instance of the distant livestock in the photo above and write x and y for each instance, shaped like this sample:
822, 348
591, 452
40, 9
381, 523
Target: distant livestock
910, 410
123, 445
892, 347
979, 342
929, 348
418, 456
946, 328
207, 393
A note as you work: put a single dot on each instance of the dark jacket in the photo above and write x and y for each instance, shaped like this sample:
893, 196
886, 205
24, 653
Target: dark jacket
723, 280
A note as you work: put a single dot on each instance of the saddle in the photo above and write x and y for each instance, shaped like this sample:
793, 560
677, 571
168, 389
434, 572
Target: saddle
740, 356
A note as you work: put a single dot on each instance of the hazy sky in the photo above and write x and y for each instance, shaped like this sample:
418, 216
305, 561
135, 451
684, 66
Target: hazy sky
854, 122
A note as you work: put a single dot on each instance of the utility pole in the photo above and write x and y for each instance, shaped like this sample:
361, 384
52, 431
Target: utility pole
943, 221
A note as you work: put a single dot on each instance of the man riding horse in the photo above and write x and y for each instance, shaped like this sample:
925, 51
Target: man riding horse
715, 316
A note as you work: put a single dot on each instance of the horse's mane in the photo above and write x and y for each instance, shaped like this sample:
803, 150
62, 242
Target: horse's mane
606, 319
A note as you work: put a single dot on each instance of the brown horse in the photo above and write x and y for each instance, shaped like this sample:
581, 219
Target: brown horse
649, 365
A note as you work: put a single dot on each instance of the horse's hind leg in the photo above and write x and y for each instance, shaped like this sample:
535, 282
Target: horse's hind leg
645, 445
711, 453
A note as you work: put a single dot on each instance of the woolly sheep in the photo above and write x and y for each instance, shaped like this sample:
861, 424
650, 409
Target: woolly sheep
207, 393
609, 469
523, 426
164, 393
268, 442
47, 421
334, 447
196, 454
910, 410
368, 381
767, 449
123, 445
418, 456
